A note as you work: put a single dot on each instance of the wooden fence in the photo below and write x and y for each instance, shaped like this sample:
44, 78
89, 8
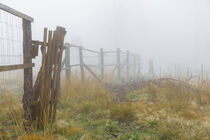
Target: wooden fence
124, 69
27, 58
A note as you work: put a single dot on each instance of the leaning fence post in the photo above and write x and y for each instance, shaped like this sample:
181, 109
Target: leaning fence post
81, 65
67, 62
128, 65
102, 63
118, 66
28, 73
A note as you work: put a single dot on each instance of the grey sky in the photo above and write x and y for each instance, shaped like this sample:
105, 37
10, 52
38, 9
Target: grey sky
172, 32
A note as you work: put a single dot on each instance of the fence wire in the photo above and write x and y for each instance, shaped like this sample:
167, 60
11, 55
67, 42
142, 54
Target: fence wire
11, 51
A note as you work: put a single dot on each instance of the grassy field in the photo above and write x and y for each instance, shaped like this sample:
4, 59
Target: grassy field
89, 112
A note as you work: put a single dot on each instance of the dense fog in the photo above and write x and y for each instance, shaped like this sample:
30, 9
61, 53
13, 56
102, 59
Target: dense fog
174, 33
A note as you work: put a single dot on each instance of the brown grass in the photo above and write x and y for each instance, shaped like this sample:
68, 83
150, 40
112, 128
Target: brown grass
171, 112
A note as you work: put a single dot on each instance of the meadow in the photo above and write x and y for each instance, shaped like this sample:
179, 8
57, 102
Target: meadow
166, 110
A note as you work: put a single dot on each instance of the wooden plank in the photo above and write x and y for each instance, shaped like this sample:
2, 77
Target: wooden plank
16, 67
56, 76
61, 36
38, 43
58, 46
77, 46
48, 75
54, 55
94, 75
91, 51
16, 13
43, 117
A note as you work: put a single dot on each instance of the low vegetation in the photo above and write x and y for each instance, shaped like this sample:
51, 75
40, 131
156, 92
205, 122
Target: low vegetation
170, 111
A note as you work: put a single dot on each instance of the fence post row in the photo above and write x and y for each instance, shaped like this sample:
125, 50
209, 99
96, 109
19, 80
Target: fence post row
118, 66
27, 57
81, 64
28, 71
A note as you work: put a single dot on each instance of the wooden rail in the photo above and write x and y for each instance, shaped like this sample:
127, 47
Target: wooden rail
27, 61
131, 63
15, 12
16, 67
77, 46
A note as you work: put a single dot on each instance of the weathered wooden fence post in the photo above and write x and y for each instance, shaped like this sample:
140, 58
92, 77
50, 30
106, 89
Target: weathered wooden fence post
67, 63
188, 72
151, 68
139, 66
202, 73
81, 65
28, 73
134, 66
128, 65
118, 66
102, 63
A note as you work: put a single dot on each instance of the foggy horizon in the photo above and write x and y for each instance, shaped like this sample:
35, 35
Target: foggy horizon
105, 69
172, 33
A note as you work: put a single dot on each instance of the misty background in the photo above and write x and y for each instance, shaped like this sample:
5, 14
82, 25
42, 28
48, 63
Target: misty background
174, 33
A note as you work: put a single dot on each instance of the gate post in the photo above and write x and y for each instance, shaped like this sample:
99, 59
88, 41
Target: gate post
28, 73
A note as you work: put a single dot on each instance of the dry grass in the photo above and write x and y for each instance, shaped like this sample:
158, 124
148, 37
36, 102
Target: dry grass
89, 112
123, 112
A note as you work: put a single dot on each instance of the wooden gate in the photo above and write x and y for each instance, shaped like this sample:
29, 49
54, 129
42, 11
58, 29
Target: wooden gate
47, 86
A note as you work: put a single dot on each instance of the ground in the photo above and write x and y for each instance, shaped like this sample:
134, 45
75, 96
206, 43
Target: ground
89, 112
